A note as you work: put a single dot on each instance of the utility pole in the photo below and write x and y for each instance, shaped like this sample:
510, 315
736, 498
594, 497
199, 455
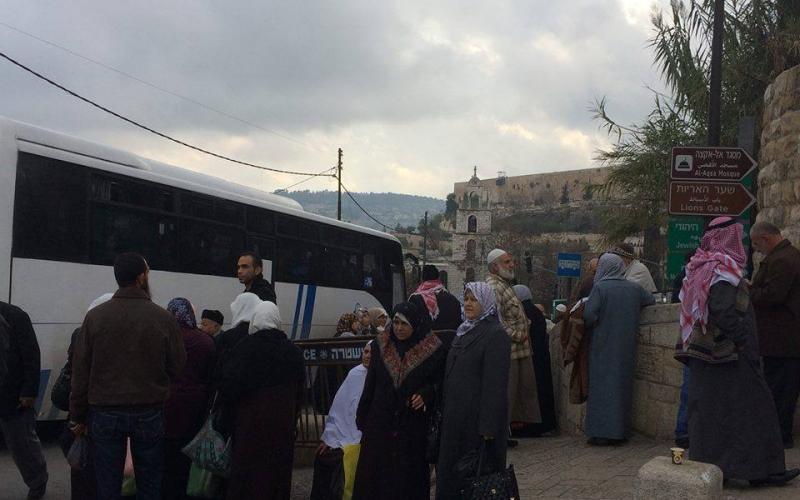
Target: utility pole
715, 97
339, 176
425, 241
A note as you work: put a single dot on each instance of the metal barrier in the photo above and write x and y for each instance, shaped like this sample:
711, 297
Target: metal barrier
327, 362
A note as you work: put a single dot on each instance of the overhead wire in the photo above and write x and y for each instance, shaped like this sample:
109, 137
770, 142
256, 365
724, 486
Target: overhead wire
362, 208
151, 130
157, 87
308, 179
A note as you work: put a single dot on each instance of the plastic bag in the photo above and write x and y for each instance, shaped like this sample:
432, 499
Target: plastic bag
203, 483
78, 455
128, 476
209, 450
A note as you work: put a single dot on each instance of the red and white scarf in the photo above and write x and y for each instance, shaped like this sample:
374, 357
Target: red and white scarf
721, 257
428, 290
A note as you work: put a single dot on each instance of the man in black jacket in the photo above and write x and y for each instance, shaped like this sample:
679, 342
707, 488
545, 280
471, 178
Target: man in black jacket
18, 391
249, 270
443, 307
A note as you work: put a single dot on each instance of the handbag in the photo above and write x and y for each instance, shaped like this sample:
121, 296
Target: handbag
59, 394
500, 485
209, 450
434, 437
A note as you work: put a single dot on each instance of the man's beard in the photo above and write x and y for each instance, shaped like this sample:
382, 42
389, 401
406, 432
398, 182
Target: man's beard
506, 274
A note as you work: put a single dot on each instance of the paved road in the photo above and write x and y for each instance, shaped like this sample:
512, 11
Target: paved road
548, 468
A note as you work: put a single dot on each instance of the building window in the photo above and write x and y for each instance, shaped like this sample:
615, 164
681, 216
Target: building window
474, 201
472, 224
471, 250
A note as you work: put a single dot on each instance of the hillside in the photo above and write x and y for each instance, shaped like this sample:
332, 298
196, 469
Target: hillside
389, 208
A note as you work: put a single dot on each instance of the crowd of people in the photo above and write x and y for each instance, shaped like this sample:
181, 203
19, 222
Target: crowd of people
443, 379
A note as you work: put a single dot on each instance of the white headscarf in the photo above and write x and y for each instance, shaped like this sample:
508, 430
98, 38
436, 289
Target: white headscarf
243, 307
340, 425
100, 300
266, 317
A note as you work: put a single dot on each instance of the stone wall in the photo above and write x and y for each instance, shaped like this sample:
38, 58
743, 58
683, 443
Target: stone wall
657, 379
779, 161
656, 384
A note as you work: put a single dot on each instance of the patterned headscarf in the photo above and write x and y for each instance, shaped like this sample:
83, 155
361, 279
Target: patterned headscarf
184, 312
345, 324
428, 290
485, 295
610, 267
721, 257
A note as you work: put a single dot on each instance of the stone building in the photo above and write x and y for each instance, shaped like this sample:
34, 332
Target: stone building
481, 203
779, 162
533, 190
473, 234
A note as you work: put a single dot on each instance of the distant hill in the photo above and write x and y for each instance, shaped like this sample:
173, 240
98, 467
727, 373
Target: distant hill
389, 208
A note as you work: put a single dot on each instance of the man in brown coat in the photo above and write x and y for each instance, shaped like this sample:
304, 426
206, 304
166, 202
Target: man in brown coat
125, 355
775, 294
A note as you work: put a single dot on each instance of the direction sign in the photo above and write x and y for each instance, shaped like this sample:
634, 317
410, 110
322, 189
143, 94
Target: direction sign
711, 164
710, 199
569, 265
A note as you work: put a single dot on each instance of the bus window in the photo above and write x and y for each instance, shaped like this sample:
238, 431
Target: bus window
260, 221
297, 262
208, 248
119, 190
50, 210
123, 229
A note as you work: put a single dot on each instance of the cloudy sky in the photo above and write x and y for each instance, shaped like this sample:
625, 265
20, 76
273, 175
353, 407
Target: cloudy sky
415, 92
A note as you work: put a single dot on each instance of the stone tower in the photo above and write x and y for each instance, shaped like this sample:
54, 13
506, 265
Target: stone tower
472, 237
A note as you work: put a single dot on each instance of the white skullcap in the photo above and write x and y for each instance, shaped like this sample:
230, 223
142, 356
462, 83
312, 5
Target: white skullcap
494, 255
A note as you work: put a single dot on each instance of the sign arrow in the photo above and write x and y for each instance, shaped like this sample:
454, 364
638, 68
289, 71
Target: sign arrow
710, 164
710, 199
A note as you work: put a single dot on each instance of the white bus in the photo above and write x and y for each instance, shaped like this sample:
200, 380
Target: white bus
67, 207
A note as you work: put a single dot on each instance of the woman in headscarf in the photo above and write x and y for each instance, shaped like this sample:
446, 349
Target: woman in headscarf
187, 406
407, 364
475, 400
732, 419
242, 308
332, 479
348, 326
264, 382
379, 318
612, 314
540, 342
82, 482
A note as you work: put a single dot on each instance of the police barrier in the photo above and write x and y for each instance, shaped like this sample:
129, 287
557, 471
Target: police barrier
327, 362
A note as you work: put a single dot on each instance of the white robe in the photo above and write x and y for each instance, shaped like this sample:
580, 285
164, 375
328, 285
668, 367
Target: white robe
340, 426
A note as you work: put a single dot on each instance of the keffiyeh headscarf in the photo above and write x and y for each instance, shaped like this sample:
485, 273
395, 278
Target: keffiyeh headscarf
428, 290
184, 312
484, 294
721, 257
610, 267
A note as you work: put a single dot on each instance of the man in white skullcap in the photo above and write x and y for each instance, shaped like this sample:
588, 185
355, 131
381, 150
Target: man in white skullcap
523, 403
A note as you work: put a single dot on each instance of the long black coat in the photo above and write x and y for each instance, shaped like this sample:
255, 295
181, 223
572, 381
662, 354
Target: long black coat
394, 436
22, 360
449, 317
733, 423
475, 401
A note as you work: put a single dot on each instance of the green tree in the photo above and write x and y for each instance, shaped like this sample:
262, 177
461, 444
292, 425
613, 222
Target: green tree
761, 39
450, 207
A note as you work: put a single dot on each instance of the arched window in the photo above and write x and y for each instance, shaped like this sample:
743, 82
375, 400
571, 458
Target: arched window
472, 224
470, 276
471, 246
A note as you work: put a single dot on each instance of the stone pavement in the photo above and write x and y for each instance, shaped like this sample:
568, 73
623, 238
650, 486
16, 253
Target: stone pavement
563, 467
